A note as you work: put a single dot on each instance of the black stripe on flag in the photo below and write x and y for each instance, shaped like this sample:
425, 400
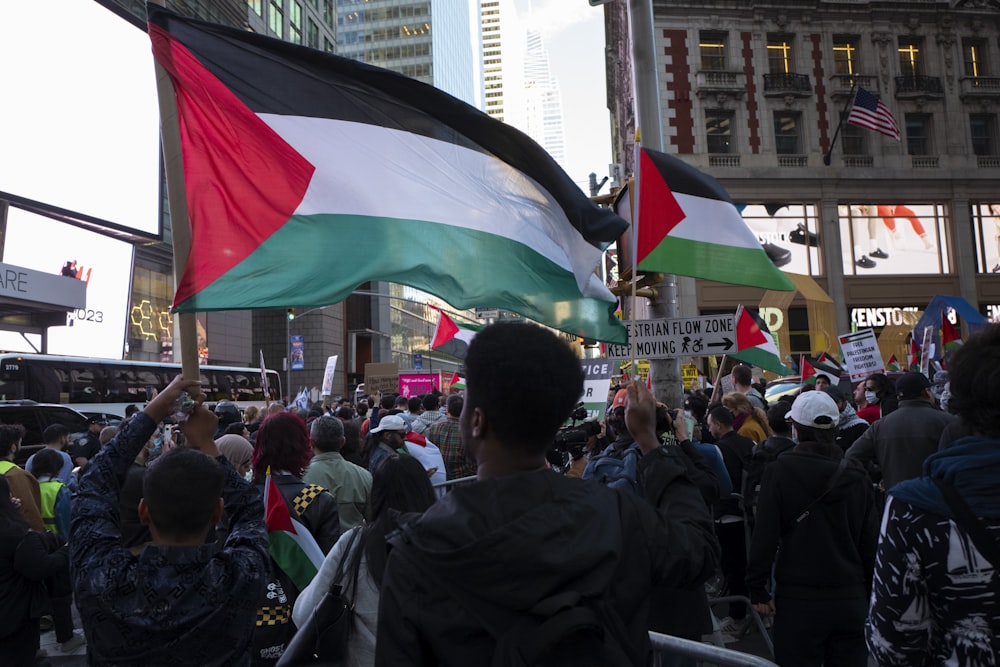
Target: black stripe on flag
682, 178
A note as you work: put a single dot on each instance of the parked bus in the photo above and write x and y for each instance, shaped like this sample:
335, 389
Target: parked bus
108, 385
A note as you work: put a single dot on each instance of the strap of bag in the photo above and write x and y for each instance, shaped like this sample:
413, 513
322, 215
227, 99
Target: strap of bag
970, 523
830, 483
338, 575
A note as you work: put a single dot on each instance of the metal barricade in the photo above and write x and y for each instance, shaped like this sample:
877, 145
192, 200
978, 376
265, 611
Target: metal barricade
706, 652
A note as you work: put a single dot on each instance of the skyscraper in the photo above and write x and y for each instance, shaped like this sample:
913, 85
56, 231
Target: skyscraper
544, 103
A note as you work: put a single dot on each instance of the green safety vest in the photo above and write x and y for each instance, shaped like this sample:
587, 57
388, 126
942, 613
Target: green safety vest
50, 490
5, 466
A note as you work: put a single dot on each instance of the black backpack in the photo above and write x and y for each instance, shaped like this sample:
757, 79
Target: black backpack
617, 470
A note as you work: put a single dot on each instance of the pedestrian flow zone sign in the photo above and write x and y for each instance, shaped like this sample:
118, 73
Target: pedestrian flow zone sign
681, 337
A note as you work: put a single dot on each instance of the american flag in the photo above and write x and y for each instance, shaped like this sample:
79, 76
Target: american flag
869, 112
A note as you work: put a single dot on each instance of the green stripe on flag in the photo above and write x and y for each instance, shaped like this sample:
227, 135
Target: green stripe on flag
711, 261
288, 554
342, 251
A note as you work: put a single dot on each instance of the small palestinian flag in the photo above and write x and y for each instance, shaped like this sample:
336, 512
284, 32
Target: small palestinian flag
292, 546
457, 381
688, 225
451, 337
755, 344
817, 367
893, 364
806, 371
913, 359
951, 340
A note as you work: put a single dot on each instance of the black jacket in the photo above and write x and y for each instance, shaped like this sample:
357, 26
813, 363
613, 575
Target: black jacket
831, 552
736, 452
515, 540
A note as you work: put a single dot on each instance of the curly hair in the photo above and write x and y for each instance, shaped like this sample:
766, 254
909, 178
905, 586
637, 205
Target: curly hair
283, 444
974, 376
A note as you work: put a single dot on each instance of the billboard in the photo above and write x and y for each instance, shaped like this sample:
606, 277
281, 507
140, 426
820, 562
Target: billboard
888, 239
79, 121
102, 263
789, 234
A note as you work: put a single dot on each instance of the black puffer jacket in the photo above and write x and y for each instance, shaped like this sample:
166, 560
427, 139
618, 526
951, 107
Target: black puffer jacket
512, 541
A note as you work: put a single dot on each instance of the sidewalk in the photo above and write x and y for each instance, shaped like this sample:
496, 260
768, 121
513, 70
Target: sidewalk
76, 658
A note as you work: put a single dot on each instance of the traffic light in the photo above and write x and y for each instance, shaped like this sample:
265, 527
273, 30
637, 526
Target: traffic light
291, 314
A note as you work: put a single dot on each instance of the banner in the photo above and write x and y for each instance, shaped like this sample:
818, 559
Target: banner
861, 354
298, 356
381, 378
596, 383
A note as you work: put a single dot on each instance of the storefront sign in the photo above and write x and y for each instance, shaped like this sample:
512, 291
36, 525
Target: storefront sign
880, 317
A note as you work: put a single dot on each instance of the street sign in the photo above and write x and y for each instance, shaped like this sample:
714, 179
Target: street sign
682, 337
487, 313
418, 362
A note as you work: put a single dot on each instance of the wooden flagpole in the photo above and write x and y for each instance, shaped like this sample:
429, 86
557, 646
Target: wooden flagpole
186, 326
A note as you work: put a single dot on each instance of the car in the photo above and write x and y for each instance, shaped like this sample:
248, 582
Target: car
35, 418
790, 385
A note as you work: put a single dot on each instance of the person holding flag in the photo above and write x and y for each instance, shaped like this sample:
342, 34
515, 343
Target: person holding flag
303, 524
184, 599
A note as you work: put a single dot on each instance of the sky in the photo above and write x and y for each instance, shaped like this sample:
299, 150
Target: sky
573, 32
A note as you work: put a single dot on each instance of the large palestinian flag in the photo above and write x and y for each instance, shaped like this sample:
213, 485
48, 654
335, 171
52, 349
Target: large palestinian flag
307, 174
688, 225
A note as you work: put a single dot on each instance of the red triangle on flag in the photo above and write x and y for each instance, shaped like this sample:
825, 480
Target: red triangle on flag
243, 181
445, 331
276, 511
807, 370
658, 210
748, 331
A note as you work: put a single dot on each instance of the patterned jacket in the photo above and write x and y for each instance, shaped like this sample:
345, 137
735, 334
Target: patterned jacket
167, 605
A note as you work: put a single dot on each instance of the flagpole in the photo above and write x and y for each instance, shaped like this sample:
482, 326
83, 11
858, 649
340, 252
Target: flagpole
170, 138
836, 133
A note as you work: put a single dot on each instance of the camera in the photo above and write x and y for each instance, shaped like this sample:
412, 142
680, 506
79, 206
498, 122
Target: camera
665, 419
570, 442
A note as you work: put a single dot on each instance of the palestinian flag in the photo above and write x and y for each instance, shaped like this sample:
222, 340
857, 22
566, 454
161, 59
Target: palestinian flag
292, 546
451, 337
893, 364
951, 340
913, 359
755, 344
829, 361
810, 368
307, 174
687, 225
457, 381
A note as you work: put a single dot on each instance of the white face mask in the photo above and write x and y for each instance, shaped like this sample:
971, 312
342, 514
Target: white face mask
871, 397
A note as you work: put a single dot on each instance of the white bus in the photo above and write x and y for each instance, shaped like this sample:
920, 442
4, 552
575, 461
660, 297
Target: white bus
108, 385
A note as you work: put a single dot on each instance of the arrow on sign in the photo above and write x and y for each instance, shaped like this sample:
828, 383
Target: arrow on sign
725, 344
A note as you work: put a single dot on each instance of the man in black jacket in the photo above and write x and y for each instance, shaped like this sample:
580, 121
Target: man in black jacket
820, 508
476, 562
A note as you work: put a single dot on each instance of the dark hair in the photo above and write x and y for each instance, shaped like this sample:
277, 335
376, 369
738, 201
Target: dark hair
182, 488
388, 401
46, 461
345, 413
9, 513
825, 440
362, 407
283, 444
351, 449
402, 402
504, 358
455, 404
10, 435
131, 409
400, 484
431, 401
742, 375
721, 415
327, 433
884, 386
824, 376
776, 419
236, 428
698, 405
974, 374
413, 405
53, 432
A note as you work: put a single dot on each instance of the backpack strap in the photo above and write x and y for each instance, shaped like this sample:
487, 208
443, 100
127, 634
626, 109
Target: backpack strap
970, 523
830, 483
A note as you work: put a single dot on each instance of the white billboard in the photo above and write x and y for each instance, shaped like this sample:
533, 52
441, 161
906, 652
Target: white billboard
102, 263
79, 121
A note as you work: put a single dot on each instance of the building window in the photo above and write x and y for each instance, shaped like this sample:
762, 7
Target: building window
787, 130
779, 54
845, 54
312, 34
276, 19
295, 23
853, 139
984, 133
719, 131
328, 46
257, 6
713, 51
328, 12
974, 57
918, 134
910, 57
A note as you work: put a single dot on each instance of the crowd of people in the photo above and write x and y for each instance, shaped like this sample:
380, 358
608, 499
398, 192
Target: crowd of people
862, 524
